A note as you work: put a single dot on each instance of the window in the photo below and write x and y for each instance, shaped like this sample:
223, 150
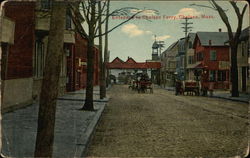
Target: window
190, 59
212, 74
243, 49
39, 59
213, 56
68, 20
199, 56
45, 4
190, 44
222, 75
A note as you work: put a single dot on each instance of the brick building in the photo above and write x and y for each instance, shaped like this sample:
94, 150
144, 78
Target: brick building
24, 38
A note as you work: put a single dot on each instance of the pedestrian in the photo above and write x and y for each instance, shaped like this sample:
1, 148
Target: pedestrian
177, 87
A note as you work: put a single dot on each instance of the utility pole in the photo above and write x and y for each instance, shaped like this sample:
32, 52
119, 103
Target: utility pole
186, 27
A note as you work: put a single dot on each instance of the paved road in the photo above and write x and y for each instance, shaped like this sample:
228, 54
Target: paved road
165, 125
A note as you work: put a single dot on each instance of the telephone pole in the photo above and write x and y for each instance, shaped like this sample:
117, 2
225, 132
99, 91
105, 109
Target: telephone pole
186, 27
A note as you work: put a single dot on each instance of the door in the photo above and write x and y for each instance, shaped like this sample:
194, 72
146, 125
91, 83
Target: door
244, 79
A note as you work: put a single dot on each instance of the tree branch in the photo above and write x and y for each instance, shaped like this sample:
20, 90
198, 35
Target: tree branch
224, 18
119, 24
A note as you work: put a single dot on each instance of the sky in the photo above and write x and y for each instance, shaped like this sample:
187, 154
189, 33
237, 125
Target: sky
135, 38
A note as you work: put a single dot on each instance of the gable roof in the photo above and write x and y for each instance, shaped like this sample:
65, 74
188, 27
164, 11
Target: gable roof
117, 60
191, 37
130, 60
117, 63
217, 38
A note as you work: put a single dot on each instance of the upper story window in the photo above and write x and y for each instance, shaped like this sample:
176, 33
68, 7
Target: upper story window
68, 20
45, 4
199, 56
213, 55
190, 44
190, 59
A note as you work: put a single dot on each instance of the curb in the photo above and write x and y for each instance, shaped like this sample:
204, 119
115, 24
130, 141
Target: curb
231, 99
105, 100
84, 140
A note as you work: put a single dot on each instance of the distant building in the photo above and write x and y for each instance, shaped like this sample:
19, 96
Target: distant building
243, 65
212, 55
168, 62
155, 51
118, 67
190, 58
180, 59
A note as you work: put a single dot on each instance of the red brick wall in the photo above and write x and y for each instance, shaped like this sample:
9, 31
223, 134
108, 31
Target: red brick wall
20, 57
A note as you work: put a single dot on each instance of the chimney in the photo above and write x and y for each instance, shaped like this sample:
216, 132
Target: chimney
219, 29
210, 42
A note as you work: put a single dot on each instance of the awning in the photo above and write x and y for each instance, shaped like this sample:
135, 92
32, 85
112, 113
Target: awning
197, 65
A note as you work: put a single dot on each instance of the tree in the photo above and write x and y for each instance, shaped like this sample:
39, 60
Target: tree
50, 83
101, 64
106, 48
233, 38
86, 13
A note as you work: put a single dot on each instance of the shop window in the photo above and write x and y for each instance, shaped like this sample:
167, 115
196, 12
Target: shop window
222, 75
212, 76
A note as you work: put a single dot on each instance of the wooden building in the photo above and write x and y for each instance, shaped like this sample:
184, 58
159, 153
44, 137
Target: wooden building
211, 55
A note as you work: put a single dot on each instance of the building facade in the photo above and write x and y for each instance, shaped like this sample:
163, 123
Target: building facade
190, 58
243, 65
24, 40
181, 60
168, 61
118, 68
212, 56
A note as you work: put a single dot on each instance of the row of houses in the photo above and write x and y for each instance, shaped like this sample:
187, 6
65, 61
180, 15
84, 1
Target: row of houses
207, 54
24, 33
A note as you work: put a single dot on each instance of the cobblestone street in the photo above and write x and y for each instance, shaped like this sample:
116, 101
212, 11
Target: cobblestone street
164, 125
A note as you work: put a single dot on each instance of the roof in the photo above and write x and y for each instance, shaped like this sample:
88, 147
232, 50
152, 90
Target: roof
217, 38
172, 46
130, 60
155, 45
191, 37
245, 34
117, 63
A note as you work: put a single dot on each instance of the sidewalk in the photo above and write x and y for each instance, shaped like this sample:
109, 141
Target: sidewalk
73, 128
245, 98
227, 95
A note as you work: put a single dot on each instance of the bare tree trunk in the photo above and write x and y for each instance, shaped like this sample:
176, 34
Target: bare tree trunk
234, 71
102, 77
50, 83
106, 49
88, 105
